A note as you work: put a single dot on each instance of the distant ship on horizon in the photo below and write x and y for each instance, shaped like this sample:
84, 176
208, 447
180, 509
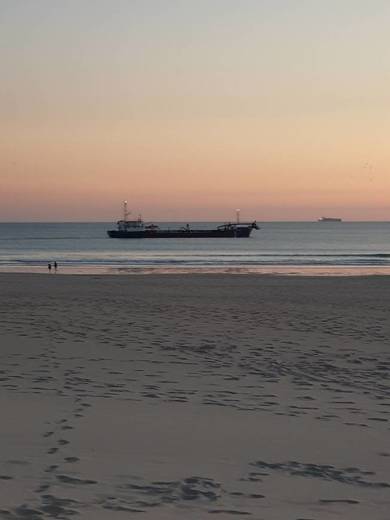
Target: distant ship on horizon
329, 219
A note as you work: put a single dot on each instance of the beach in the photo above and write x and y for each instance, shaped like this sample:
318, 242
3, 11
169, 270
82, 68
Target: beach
189, 396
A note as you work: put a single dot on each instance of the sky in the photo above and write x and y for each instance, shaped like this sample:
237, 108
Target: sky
190, 109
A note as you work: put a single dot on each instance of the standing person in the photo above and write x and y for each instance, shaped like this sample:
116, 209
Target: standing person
55, 267
49, 267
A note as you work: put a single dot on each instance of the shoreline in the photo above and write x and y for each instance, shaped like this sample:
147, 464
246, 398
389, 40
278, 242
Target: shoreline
283, 271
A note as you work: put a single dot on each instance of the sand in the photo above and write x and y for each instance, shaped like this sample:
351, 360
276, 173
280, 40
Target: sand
194, 396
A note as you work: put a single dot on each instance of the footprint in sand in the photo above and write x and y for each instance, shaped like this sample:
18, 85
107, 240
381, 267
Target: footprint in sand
339, 501
75, 481
51, 468
51, 451
71, 459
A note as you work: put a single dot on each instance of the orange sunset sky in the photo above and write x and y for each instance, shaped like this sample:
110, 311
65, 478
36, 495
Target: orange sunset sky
190, 109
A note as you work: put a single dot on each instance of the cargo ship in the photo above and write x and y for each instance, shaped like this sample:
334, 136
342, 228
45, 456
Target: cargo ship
139, 229
329, 219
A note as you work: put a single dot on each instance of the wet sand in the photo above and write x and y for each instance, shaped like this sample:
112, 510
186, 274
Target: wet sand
172, 397
270, 270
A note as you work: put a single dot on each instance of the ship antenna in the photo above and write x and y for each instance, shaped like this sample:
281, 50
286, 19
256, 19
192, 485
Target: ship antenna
238, 215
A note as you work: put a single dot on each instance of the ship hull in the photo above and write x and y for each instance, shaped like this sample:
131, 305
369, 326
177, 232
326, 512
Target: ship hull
213, 233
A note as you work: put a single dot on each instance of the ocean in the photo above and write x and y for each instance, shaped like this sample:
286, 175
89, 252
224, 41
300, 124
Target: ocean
278, 247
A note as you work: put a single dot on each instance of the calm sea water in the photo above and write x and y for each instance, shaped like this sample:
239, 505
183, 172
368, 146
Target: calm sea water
86, 246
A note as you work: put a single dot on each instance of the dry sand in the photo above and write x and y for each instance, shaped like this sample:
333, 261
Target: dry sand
189, 397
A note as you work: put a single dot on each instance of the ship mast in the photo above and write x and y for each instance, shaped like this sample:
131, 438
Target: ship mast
125, 211
238, 215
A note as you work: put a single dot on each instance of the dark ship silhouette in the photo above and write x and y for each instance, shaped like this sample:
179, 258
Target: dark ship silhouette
138, 229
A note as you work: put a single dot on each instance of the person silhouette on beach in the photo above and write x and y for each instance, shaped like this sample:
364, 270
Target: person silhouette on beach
55, 267
49, 267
